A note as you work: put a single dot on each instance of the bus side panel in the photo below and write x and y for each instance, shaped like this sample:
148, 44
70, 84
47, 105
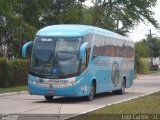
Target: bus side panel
116, 65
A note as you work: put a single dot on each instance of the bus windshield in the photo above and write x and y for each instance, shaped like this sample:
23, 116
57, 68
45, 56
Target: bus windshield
55, 56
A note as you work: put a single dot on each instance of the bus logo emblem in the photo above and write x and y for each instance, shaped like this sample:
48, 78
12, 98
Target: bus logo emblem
50, 85
54, 70
115, 74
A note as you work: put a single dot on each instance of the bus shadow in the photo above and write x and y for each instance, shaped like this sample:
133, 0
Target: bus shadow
73, 100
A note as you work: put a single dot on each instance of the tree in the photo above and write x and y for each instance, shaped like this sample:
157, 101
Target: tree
141, 51
32, 10
72, 14
108, 13
63, 11
87, 15
20, 19
14, 31
154, 45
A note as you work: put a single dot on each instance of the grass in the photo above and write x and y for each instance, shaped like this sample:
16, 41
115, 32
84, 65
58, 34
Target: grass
154, 72
148, 105
13, 89
148, 73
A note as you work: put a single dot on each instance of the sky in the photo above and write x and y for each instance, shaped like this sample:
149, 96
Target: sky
140, 31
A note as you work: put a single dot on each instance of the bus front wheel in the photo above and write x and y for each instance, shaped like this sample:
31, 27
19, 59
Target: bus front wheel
92, 92
48, 98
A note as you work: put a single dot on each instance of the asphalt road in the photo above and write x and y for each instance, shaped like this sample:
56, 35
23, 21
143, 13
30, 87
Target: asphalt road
25, 106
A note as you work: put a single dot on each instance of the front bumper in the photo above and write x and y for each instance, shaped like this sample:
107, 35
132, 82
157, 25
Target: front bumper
57, 87
72, 91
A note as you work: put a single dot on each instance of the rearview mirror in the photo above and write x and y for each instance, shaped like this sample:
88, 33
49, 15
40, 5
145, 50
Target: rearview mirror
82, 50
24, 48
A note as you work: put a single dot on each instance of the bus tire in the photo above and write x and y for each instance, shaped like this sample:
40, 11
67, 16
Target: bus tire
122, 90
48, 98
92, 92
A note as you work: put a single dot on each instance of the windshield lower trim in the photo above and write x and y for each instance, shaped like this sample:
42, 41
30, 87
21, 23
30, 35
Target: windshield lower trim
52, 76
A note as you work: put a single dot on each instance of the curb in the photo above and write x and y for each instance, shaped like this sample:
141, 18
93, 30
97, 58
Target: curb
13, 93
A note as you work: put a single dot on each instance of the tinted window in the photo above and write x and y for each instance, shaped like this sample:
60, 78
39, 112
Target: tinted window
107, 46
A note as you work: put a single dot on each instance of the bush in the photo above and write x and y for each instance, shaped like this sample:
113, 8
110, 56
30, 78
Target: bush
13, 72
144, 66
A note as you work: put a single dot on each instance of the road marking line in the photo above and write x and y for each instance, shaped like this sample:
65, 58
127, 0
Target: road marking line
132, 98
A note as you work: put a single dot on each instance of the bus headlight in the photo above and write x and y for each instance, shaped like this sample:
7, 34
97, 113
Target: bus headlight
74, 83
32, 79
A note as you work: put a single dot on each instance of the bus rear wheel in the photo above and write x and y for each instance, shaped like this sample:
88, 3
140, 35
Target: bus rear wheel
48, 98
122, 90
92, 92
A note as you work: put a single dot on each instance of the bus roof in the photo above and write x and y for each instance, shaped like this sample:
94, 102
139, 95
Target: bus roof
65, 30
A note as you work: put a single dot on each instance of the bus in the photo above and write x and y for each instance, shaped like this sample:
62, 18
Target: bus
79, 60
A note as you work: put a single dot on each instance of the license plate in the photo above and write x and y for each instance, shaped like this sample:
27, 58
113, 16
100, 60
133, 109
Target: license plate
50, 91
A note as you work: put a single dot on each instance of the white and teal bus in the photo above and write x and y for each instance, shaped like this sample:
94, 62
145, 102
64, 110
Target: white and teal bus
79, 60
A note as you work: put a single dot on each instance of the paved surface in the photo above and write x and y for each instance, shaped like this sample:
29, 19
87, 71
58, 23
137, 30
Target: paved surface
35, 107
